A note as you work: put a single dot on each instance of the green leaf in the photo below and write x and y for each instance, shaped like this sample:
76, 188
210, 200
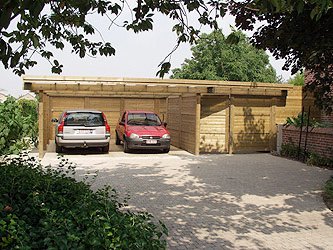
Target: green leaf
36, 7
300, 7
5, 18
233, 38
15, 59
314, 12
165, 67
82, 52
35, 41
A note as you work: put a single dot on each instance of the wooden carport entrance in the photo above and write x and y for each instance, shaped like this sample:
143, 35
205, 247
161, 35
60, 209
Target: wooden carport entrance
202, 116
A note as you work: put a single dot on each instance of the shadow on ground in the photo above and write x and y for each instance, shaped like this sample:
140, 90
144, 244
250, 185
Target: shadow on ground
227, 202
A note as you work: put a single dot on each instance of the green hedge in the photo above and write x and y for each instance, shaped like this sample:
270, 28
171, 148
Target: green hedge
18, 125
45, 208
311, 158
328, 193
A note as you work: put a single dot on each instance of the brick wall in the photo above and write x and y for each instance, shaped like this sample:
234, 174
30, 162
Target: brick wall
327, 118
320, 140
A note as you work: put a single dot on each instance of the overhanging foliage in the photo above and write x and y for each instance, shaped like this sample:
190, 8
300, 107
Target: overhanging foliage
299, 31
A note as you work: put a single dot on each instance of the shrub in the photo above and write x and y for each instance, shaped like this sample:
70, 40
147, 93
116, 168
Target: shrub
329, 188
297, 121
18, 120
328, 193
29, 110
291, 151
317, 160
45, 208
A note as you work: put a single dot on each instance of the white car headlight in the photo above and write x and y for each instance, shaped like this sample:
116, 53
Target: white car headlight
166, 136
134, 136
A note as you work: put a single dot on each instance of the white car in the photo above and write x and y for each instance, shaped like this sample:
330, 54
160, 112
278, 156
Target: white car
82, 129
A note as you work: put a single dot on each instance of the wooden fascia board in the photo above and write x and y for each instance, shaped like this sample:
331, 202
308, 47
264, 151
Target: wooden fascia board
115, 80
248, 91
107, 94
130, 88
134, 89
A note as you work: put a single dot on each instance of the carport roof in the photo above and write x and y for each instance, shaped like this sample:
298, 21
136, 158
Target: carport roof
104, 86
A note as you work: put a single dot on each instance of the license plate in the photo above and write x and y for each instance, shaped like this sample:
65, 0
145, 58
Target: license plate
151, 141
84, 131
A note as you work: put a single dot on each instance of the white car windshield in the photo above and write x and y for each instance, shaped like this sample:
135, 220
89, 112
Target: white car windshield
86, 119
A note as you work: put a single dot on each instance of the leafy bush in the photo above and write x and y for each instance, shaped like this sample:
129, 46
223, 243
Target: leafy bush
18, 125
328, 193
291, 151
317, 160
329, 188
45, 208
29, 110
297, 121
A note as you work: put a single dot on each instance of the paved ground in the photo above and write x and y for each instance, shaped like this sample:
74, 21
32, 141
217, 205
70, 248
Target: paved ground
251, 201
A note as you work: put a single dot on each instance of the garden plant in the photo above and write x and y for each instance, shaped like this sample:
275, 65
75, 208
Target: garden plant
46, 208
18, 125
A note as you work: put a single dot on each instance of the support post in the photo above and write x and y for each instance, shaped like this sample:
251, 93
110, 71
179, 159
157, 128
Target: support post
197, 125
306, 134
231, 119
41, 128
273, 128
300, 135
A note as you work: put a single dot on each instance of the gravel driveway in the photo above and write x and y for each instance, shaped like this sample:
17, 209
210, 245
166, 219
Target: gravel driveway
248, 201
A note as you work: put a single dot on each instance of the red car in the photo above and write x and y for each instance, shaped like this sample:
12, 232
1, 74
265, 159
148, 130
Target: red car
142, 130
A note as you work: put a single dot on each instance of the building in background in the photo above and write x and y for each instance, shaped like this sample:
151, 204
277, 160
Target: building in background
27, 96
3, 96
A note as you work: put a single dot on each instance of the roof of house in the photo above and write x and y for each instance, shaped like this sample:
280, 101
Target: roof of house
27, 96
3, 96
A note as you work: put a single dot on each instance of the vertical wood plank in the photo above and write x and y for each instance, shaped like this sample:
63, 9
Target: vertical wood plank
122, 106
41, 126
197, 125
157, 106
180, 121
231, 126
166, 112
46, 120
273, 131
86, 103
227, 128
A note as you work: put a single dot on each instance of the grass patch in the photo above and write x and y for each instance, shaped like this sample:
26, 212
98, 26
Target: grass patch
46, 208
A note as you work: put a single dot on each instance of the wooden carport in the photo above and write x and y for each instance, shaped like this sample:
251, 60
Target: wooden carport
203, 116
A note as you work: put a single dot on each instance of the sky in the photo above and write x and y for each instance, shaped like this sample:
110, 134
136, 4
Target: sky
137, 55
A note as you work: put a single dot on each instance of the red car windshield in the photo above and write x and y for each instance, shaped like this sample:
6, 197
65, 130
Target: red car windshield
143, 119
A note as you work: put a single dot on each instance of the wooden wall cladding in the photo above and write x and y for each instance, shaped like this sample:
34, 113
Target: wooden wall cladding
182, 122
205, 122
291, 106
111, 106
213, 124
251, 129
173, 119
